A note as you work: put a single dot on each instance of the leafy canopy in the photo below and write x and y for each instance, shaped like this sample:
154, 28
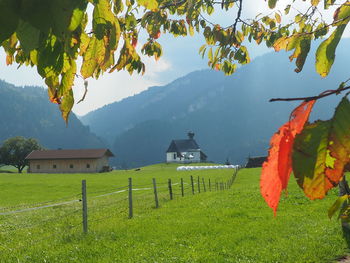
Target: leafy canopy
53, 35
14, 151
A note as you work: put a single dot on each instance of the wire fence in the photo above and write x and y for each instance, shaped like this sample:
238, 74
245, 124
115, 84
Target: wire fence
85, 210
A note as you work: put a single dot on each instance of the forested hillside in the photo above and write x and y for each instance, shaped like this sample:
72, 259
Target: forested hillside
231, 116
27, 112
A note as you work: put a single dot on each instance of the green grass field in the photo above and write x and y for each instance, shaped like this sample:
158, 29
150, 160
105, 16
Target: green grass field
233, 225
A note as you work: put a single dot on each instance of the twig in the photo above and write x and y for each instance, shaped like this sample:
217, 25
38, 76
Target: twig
322, 95
238, 17
86, 90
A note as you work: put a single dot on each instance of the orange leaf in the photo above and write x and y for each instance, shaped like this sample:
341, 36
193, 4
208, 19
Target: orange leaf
278, 167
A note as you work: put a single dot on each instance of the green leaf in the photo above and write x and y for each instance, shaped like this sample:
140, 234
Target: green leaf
77, 17
278, 18
103, 18
191, 30
321, 151
342, 14
130, 21
8, 18
106, 26
50, 59
310, 158
328, 3
118, 6
67, 104
286, 10
242, 55
66, 15
337, 205
272, 3
28, 36
301, 52
35, 12
321, 30
210, 9
325, 53
65, 90
149, 4
93, 57
210, 54
60, 16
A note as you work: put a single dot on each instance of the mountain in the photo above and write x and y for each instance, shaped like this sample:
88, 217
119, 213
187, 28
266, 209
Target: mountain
231, 116
26, 111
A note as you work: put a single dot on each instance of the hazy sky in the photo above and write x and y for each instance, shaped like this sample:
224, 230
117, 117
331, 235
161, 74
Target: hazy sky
180, 57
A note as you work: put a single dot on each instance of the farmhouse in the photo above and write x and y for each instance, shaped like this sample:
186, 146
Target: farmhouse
69, 161
185, 151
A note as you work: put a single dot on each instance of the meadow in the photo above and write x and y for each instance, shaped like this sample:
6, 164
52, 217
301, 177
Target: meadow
233, 225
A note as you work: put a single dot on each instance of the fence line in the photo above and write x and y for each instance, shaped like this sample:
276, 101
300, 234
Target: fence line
39, 207
39, 203
170, 191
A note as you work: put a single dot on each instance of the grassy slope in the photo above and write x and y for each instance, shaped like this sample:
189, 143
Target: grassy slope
228, 226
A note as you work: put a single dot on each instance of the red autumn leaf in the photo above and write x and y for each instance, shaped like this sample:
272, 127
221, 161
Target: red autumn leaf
134, 42
278, 167
157, 35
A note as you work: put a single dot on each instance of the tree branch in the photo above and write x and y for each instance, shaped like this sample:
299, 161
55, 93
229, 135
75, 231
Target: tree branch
322, 95
238, 18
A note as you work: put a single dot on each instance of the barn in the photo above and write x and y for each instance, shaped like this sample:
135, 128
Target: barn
185, 151
69, 161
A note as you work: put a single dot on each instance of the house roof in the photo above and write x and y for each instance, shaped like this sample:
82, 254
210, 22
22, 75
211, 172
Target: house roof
69, 154
183, 146
255, 161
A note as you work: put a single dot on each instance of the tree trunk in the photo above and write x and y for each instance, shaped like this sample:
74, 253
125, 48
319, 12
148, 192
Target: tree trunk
20, 168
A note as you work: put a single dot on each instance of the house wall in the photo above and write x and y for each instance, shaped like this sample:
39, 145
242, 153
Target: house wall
100, 163
170, 157
63, 166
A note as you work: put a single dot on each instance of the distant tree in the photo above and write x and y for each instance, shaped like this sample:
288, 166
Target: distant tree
14, 151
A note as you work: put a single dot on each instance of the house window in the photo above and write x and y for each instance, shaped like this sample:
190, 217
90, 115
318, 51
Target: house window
54, 166
174, 156
71, 166
88, 165
38, 166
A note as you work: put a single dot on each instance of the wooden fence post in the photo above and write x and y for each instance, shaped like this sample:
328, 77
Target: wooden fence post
182, 188
192, 184
170, 189
199, 184
204, 188
85, 212
155, 192
130, 199
209, 185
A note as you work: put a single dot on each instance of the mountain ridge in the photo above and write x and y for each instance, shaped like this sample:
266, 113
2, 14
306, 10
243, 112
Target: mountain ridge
27, 112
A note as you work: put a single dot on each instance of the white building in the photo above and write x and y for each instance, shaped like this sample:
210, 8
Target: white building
185, 151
